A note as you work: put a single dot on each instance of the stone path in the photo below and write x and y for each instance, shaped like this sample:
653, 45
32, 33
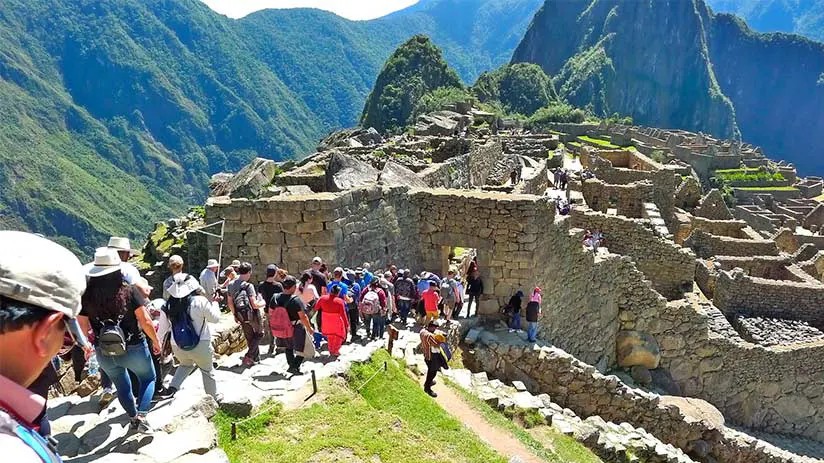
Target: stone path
498, 439
183, 433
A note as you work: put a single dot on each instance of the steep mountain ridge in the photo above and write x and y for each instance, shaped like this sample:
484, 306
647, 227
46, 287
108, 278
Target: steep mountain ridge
673, 63
116, 112
804, 17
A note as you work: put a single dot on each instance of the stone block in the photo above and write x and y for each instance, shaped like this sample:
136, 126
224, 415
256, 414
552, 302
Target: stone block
637, 348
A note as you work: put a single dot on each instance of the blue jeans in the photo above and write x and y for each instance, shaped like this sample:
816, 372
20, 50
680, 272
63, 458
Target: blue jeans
403, 308
532, 331
516, 321
137, 360
378, 325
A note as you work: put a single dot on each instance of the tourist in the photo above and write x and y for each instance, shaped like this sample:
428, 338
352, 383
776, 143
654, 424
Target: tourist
125, 252
431, 299
388, 288
318, 272
335, 324
450, 294
352, 306
39, 299
393, 271
514, 309
564, 179
337, 279
593, 239
475, 287
556, 177
301, 327
116, 309
184, 300
372, 308
367, 275
245, 305
431, 340
208, 280
309, 295
267, 290
563, 207
176, 267
533, 313
406, 294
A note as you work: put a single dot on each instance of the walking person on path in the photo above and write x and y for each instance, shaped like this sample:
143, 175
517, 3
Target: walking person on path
372, 308
40, 295
245, 306
450, 294
533, 313
475, 287
267, 289
406, 294
335, 320
514, 305
431, 340
289, 323
176, 266
197, 350
208, 280
117, 314
431, 298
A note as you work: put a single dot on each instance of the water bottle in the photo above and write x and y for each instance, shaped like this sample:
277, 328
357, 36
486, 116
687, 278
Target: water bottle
93, 366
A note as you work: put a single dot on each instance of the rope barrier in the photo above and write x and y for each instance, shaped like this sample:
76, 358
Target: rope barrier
385, 367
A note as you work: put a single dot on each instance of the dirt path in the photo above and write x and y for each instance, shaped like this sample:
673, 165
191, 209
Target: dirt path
498, 439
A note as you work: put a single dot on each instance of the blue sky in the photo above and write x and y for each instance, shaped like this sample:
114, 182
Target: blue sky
352, 9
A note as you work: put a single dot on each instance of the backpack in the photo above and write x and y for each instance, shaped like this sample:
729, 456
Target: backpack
279, 322
112, 339
242, 302
446, 290
370, 304
183, 331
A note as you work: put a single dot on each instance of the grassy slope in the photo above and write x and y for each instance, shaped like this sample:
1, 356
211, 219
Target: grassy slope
405, 425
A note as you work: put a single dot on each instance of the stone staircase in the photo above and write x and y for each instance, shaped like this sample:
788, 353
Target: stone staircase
619, 443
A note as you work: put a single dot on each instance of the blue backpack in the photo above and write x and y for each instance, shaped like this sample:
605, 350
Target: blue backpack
183, 331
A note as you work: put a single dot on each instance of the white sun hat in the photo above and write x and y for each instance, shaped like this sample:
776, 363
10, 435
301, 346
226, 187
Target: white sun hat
106, 261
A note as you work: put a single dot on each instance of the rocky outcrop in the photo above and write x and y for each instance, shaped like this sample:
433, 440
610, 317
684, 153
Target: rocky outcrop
351, 138
394, 174
441, 123
345, 172
249, 182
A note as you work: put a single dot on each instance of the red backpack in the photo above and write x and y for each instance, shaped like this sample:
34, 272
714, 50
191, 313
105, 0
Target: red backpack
279, 323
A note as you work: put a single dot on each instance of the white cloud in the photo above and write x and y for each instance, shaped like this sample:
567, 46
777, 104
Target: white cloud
351, 9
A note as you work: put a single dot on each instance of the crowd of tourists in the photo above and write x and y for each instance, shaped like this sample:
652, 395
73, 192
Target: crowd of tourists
100, 317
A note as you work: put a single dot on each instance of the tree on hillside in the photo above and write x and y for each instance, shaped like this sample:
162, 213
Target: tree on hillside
415, 69
521, 88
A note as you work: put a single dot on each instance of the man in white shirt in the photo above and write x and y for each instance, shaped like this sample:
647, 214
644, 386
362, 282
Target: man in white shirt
202, 312
124, 250
208, 279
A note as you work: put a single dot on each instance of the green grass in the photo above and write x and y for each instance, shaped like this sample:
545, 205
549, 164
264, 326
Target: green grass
767, 188
544, 441
599, 142
390, 420
741, 170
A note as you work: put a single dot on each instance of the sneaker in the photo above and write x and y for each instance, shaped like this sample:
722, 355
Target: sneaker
294, 371
167, 392
143, 424
511, 330
431, 393
107, 397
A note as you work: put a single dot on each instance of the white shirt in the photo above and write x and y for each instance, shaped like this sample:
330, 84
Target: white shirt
202, 312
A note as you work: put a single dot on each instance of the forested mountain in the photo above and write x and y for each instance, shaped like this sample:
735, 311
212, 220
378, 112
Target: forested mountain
673, 63
805, 17
116, 112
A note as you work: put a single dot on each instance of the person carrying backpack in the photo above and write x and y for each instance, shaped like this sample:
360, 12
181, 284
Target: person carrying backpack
243, 303
188, 316
372, 308
289, 323
117, 314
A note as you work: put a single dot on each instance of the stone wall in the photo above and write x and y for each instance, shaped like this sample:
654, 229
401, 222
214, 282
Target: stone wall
482, 159
730, 228
454, 173
535, 181
585, 391
670, 267
735, 292
627, 199
706, 245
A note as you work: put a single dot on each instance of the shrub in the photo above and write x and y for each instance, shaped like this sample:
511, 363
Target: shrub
558, 112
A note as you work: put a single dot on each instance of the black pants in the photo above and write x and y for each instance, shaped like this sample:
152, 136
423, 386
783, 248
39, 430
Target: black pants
252, 340
433, 365
293, 360
354, 321
472, 297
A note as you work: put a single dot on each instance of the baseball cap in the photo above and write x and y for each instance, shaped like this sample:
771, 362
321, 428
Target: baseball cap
235, 263
271, 270
40, 272
338, 270
317, 260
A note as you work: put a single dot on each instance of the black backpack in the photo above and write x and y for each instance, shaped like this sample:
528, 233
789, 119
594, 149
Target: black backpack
183, 330
242, 302
112, 339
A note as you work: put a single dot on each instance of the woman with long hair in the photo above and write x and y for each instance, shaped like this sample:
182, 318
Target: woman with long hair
117, 311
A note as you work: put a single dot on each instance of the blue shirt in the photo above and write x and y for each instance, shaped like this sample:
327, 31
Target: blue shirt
367, 277
344, 288
356, 290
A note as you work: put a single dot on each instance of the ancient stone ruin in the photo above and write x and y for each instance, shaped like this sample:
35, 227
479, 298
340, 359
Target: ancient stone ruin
704, 295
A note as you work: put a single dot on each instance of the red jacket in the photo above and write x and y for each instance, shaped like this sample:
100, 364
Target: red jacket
334, 319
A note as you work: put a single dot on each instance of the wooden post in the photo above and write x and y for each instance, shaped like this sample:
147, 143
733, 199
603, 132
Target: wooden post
393, 335
234, 431
314, 383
